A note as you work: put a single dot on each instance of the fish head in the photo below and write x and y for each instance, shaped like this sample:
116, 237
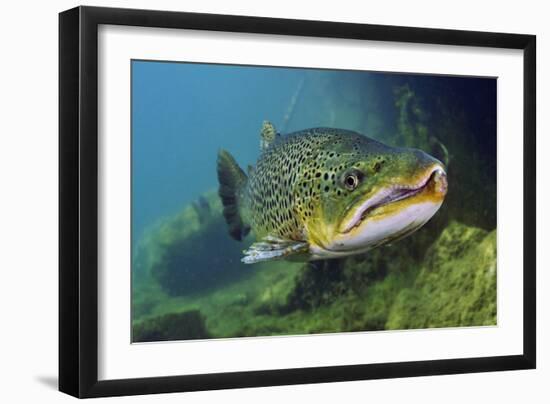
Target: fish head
371, 194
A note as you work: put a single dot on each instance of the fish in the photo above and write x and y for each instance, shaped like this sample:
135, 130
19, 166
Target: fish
324, 193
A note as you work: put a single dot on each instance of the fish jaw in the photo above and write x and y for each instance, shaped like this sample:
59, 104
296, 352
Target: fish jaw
374, 233
392, 213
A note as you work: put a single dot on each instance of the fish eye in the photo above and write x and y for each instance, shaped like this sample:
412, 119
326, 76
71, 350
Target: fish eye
351, 178
351, 181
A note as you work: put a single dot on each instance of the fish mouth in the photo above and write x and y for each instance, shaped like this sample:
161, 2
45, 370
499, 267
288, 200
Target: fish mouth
433, 183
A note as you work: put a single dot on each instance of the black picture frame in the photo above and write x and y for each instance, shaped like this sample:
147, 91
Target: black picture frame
78, 201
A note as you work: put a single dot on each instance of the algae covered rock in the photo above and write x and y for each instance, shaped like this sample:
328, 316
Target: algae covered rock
455, 287
191, 251
324, 282
449, 282
173, 326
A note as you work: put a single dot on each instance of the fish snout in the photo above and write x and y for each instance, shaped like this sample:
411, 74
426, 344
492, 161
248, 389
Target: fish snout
437, 176
439, 182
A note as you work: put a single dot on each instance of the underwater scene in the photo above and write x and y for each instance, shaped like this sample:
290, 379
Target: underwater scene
274, 201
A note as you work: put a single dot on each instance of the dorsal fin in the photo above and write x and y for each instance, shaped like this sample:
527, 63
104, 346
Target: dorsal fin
267, 135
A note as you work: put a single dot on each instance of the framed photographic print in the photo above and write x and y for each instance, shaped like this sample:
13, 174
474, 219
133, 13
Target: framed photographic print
251, 201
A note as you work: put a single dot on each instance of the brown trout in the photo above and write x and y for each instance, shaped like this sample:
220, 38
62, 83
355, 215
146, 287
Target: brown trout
327, 193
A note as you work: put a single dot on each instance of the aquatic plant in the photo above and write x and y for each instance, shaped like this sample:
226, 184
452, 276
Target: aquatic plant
412, 130
459, 130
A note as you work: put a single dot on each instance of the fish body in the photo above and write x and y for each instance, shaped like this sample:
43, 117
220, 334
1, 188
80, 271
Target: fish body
327, 193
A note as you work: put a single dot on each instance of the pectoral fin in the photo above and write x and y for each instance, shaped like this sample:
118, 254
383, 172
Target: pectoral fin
273, 248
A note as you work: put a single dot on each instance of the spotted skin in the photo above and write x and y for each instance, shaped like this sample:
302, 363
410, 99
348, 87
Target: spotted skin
295, 173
